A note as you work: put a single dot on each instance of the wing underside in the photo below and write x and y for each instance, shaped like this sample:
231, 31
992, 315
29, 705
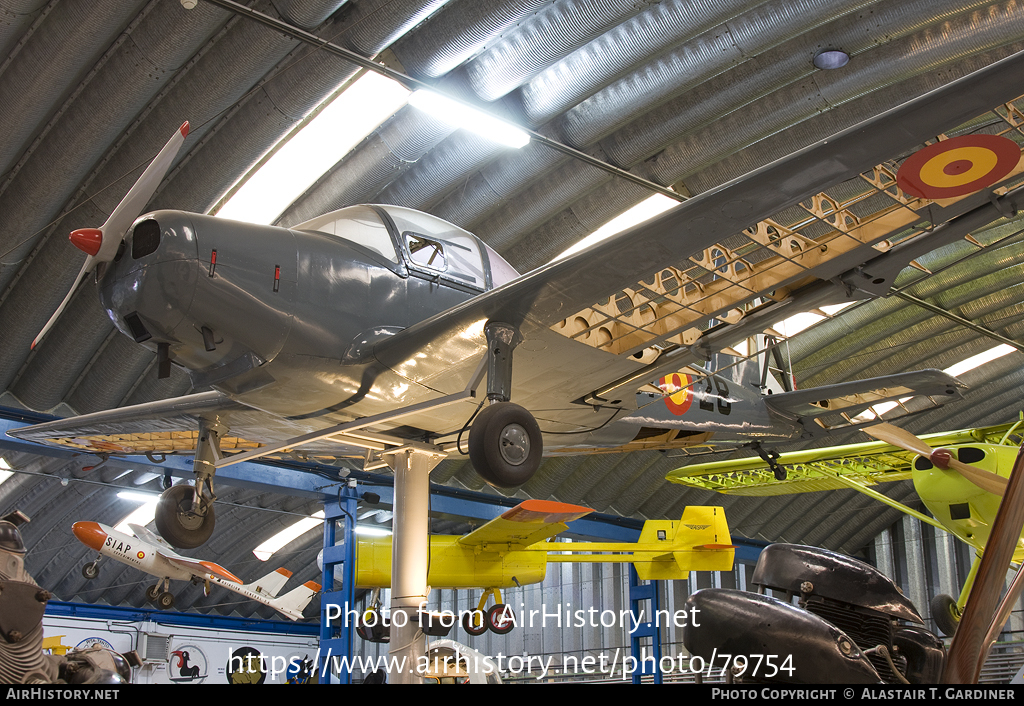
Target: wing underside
812, 470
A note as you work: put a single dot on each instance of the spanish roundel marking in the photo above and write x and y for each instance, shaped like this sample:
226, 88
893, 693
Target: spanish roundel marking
958, 166
141, 555
677, 392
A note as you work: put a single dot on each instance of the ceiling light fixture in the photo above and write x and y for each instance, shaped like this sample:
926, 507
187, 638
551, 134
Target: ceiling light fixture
831, 59
463, 116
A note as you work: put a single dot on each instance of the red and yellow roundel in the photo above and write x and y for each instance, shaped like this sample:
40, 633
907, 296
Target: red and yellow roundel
958, 166
677, 392
141, 555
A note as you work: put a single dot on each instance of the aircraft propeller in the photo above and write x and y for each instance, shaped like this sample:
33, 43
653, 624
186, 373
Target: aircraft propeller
101, 244
942, 458
981, 618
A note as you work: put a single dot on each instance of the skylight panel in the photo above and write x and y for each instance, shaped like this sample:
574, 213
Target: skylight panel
266, 550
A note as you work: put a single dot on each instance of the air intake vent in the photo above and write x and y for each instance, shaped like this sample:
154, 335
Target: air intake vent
145, 239
154, 648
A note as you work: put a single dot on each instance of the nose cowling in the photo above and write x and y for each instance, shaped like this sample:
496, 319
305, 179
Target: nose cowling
90, 534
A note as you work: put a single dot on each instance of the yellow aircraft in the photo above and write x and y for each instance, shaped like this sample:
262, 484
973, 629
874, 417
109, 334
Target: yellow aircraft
511, 550
960, 476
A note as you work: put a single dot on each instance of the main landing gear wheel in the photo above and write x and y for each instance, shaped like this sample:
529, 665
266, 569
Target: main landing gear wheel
165, 600
90, 570
152, 593
945, 613
501, 619
470, 625
505, 445
178, 524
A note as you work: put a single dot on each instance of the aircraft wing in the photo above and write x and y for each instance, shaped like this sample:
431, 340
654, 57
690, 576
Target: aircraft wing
197, 566
529, 522
762, 241
811, 470
147, 536
169, 426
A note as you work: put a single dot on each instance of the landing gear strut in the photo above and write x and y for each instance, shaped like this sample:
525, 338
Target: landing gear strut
505, 443
184, 514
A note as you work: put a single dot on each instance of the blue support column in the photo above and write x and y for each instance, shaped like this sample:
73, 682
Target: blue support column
336, 625
648, 660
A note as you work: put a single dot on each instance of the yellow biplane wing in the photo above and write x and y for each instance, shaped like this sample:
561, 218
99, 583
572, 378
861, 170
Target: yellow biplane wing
830, 468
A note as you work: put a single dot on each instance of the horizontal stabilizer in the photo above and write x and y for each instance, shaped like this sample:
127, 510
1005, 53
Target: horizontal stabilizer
294, 602
700, 541
529, 522
271, 584
821, 410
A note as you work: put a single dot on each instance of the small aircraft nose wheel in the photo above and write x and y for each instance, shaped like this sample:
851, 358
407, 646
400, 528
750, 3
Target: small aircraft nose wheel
474, 623
501, 619
178, 523
505, 445
945, 613
90, 570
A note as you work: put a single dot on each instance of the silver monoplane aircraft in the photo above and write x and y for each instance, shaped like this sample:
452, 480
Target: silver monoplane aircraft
373, 327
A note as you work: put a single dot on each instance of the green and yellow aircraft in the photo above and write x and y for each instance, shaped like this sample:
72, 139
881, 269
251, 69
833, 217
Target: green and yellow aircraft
960, 476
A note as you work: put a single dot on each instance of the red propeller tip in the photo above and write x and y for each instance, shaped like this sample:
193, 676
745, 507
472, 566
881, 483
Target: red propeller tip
941, 458
88, 240
184, 129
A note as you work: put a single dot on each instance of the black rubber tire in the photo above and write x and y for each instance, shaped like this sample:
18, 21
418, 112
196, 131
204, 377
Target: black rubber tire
470, 628
165, 601
152, 593
90, 570
945, 614
497, 620
176, 522
505, 445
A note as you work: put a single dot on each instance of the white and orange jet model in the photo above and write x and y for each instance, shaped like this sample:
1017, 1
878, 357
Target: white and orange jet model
148, 552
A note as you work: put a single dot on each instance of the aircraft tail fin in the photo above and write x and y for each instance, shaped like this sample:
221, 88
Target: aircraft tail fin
699, 541
292, 603
270, 584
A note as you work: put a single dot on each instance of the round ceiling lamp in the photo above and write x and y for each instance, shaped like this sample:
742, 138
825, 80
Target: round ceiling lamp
831, 59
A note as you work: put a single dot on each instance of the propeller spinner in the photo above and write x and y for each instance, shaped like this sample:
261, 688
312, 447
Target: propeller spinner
101, 244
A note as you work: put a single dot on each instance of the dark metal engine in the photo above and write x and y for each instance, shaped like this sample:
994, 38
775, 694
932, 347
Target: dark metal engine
849, 623
22, 604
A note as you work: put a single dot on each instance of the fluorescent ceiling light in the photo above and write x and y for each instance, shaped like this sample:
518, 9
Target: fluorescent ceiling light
269, 547
372, 531
314, 149
138, 497
460, 115
142, 515
977, 360
643, 211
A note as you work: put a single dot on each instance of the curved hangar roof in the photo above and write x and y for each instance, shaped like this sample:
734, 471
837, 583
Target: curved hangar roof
687, 95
